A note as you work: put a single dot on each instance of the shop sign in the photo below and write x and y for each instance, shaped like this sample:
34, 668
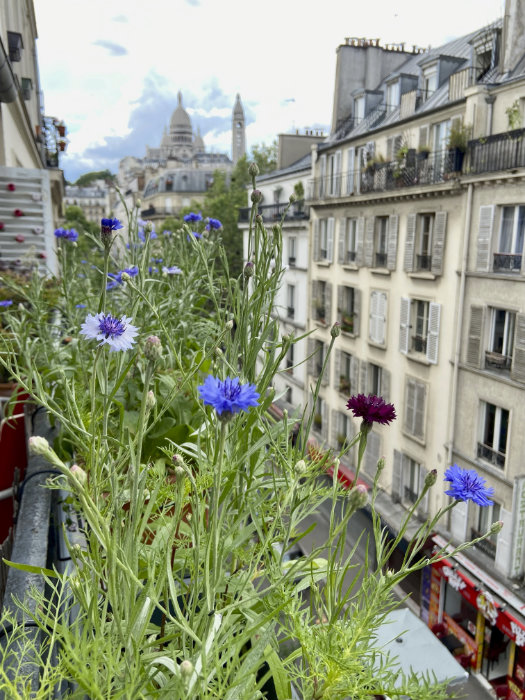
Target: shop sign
454, 579
515, 693
519, 633
487, 605
518, 546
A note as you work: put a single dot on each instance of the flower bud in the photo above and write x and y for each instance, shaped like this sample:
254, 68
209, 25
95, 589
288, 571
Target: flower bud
79, 474
335, 331
496, 527
259, 219
249, 269
38, 445
229, 324
148, 228
153, 348
293, 198
300, 467
430, 478
186, 669
381, 465
125, 277
179, 473
276, 229
151, 401
177, 460
253, 169
358, 496
138, 203
256, 196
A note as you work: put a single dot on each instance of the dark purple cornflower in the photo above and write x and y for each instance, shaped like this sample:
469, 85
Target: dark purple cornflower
468, 485
193, 217
228, 396
372, 409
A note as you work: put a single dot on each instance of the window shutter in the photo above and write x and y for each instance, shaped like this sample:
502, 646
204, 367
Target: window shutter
369, 242
372, 316
504, 542
337, 364
322, 179
422, 509
381, 318
517, 371
328, 303
340, 292
354, 375
324, 418
419, 424
398, 142
315, 295
458, 521
330, 239
434, 315
410, 404
390, 148
341, 241
326, 374
336, 187
357, 310
359, 241
363, 379
408, 263
404, 325
423, 136
393, 225
474, 336
486, 222
350, 173
385, 384
316, 240
372, 453
438, 242
311, 357
397, 470
334, 424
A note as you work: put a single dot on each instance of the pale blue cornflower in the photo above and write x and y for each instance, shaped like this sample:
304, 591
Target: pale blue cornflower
119, 334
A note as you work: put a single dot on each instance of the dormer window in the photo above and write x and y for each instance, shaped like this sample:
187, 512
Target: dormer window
359, 108
392, 96
430, 82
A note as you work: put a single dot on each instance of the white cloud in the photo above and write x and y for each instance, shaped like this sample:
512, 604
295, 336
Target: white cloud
282, 61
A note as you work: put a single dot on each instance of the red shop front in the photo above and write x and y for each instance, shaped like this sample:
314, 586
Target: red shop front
479, 620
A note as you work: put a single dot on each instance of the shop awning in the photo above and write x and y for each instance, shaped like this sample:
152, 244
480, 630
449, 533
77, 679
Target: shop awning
410, 641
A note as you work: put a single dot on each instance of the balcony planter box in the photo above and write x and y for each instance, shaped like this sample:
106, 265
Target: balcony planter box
455, 160
14, 455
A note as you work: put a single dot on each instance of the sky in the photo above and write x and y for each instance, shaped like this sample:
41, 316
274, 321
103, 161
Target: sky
111, 69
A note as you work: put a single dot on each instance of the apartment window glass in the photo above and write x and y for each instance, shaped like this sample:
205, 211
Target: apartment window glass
392, 96
345, 373
512, 230
359, 108
381, 242
502, 332
290, 359
323, 239
494, 432
375, 376
419, 312
351, 240
424, 242
292, 244
486, 516
429, 82
411, 480
348, 310
344, 429
290, 293
321, 301
319, 357
319, 414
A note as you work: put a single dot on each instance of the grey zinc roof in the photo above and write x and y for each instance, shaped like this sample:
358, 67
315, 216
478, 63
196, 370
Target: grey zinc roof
303, 163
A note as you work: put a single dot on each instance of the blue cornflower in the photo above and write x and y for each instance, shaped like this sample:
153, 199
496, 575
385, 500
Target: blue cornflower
468, 485
108, 225
60, 232
228, 396
119, 334
197, 235
156, 260
80, 306
213, 223
193, 217
173, 270
166, 233
131, 271
71, 235
6, 302
84, 262
153, 270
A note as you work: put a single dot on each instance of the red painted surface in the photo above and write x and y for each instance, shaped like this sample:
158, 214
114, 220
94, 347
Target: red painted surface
13, 453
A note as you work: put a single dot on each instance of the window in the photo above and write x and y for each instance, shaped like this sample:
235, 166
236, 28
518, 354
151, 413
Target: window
290, 295
345, 373
411, 477
359, 109
350, 241
324, 239
320, 301
375, 379
415, 400
377, 317
494, 432
320, 418
381, 241
430, 82
501, 341
288, 397
333, 185
419, 328
316, 357
290, 359
344, 429
408, 481
319, 357
392, 96
292, 256
510, 244
486, 516
348, 303
425, 242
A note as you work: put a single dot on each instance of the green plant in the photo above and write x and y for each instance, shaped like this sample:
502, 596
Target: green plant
423, 148
459, 137
298, 190
402, 152
514, 115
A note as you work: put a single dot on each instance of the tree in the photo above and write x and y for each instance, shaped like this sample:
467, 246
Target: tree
265, 157
88, 178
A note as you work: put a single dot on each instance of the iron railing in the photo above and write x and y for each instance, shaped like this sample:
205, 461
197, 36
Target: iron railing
495, 360
291, 261
275, 212
410, 495
490, 455
290, 311
497, 152
507, 262
419, 343
423, 262
486, 546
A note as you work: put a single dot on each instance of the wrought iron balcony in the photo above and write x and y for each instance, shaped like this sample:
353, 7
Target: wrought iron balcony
490, 455
291, 261
495, 360
423, 262
350, 256
419, 343
503, 151
409, 495
380, 259
507, 262
290, 312
487, 546
275, 212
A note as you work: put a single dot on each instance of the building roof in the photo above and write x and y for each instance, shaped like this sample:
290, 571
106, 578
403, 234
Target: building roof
303, 163
180, 119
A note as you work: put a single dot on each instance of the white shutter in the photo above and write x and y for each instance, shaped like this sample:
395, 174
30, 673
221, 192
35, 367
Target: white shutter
363, 378
357, 310
328, 303
486, 222
408, 263
410, 405
330, 239
397, 470
334, 423
316, 240
322, 179
336, 187
326, 374
438, 242
474, 336
372, 453
341, 241
369, 242
385, 384
419, 417
504, 542
459, 520
393, 225
354, 375
324, 418
404, 325
359, 244
381, 318
337, 371
350, 171
517, 371
372, 322
422, 509
314, 298
311, 357
434, 315
423, 136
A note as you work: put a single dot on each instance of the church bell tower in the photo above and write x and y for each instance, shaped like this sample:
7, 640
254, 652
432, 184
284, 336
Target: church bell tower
238, 131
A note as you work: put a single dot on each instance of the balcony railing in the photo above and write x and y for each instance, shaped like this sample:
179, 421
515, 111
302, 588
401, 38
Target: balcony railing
290, 311
274, 212
503, 151
490, 455
507, 262
419, 169
350, 256
380, 259
291, 261
410, 496
460, 81
495, 360
486, 546
419, 343
423, 262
